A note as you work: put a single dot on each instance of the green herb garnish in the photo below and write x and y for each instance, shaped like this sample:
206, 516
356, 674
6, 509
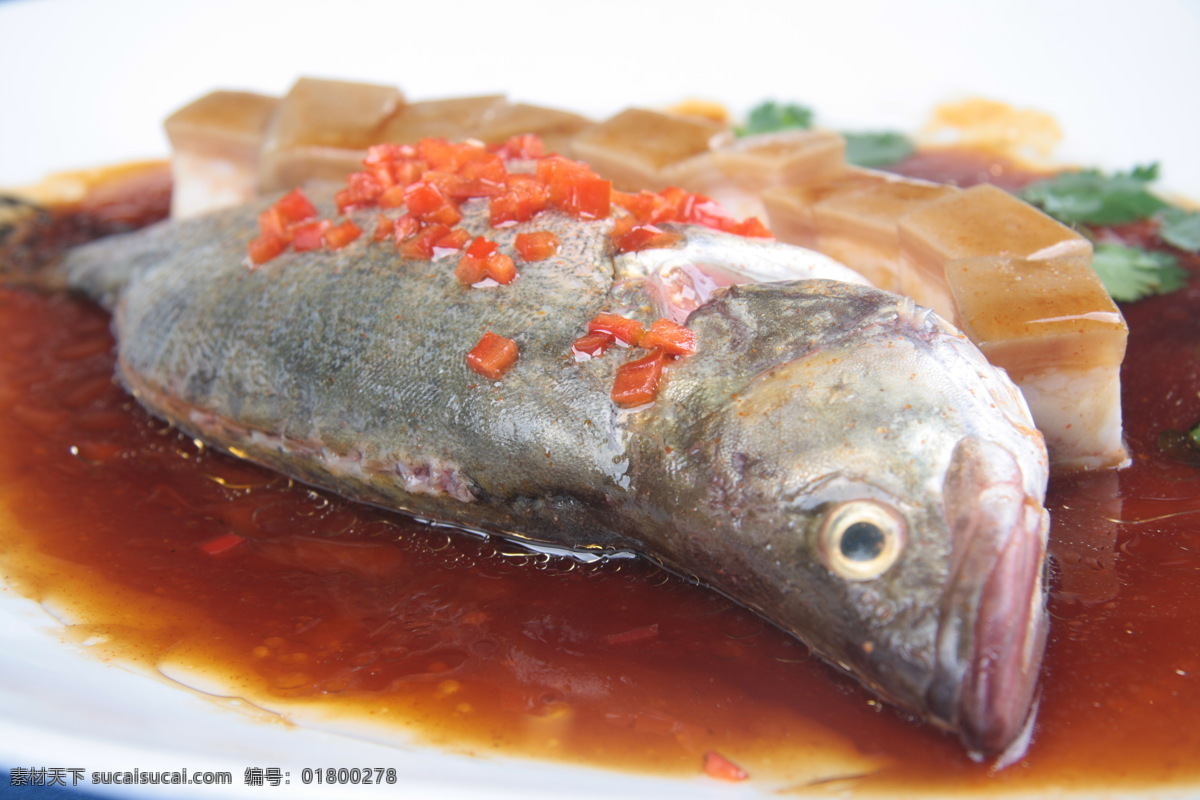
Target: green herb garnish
770, 117
1180, 228
877, 149
1094, 198
1131, 273
1181, 446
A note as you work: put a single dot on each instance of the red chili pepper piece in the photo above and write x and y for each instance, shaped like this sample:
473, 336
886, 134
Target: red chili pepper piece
362, 190
575, 188
392, 197
388, 152
472, 265
500, 268
427, 202
719, 767
525, 145
405, 227
310, 235
220, 544
484, 167
629, 236
385, 228
492, 356
295, 206
591, 345
263, 248
646, 207
456, 239
637, 381
523, 197
338, 236
536, 246
626, 330
674, 339
421, 245
446, 156
755, 228
274, 224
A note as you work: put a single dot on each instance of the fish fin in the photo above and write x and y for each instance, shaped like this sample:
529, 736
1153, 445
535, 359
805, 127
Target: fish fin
29, 249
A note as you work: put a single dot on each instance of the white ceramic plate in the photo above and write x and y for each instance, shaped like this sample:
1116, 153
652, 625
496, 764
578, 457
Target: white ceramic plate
88, 83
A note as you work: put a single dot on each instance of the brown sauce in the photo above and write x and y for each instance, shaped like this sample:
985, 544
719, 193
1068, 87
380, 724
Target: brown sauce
482, 647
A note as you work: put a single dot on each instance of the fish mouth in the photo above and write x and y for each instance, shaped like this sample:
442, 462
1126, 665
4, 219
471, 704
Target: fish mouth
992, 630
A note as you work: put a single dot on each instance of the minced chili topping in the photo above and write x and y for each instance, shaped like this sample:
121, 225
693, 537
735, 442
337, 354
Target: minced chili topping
428, 182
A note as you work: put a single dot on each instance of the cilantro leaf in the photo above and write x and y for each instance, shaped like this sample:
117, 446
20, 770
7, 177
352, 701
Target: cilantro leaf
770, 116
1131, 273
877, 149
1181, 445
1091, 197
1180, 228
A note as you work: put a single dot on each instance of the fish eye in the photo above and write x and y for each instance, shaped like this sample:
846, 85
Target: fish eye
861, 539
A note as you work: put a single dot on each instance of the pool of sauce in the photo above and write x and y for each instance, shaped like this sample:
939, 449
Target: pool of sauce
479, 646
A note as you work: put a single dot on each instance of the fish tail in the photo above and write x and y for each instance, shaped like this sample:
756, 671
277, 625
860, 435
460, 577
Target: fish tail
41, 223
31, 248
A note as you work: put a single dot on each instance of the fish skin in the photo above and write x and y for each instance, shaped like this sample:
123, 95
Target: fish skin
344, 369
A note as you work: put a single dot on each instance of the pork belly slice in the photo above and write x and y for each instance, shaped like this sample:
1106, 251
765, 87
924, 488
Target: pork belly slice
736, 173
643, 149
974, 223
452, 118
1050, 323
556, 128
215, 142
851, 216
321, 129
857, 226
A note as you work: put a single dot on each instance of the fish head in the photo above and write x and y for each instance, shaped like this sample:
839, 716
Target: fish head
880, 493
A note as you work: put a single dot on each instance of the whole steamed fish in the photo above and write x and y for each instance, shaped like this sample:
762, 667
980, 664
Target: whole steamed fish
834, 457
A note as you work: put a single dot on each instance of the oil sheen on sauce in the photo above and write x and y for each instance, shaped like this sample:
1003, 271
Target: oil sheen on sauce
480, 646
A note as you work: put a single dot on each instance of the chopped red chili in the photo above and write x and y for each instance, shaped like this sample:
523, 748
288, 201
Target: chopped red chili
362, 190
456, 239
309, 235
482, 259
575, 188
428, 203
274, 224
471, 265
492, 356
222, 543
405, 227
338, 236
719, 767
263, 248
674, 339
295, 206
392, 197
628, 331
630, 237
524, 197
525, 145
637, 381
591, 345
536, 246
385, 228
421, 244
753, 227
445, 156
